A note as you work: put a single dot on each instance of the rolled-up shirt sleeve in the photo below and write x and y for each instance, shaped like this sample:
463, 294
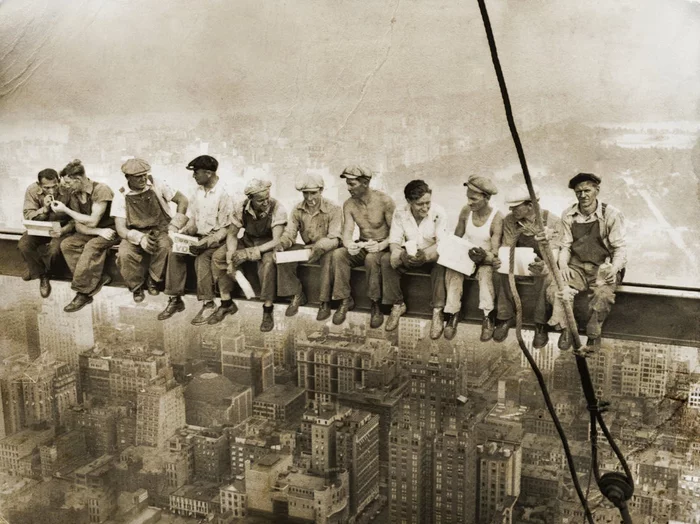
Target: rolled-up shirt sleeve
290, 232
617, 237
335, 226
237, 214
565, 236
279, 217
118, 208
33, 204
225, 211
397, 233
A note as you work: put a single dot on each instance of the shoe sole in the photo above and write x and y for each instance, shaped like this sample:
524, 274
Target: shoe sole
324, 316
178, 310
78, 309
228, 313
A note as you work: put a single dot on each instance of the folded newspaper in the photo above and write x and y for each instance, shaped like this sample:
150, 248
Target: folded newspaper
524, 256
41, 228
182, 243
454, 254
296, 255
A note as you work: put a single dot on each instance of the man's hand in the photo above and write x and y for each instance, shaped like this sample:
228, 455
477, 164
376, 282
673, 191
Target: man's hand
496, 263
173, 228
397, 258
477, 255
244, 255
372, 246
107, 233
567, 294
199, 248
148, 244
47, 201
567, 273
278, 248
231, 268
418, 259
353, 248
58, 207
316, 254
547, 235
537, 268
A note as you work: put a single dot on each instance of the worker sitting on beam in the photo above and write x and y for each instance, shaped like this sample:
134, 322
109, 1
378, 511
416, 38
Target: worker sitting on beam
143, 218
40, 252
86, 250
263, 219
519, 230
371, 211
482, 225
319, 222
592, 257
416, 229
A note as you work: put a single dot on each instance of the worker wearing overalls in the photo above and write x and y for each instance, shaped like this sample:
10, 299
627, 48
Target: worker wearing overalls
263, 218
143, 218
482, 225
519, 231
592, 257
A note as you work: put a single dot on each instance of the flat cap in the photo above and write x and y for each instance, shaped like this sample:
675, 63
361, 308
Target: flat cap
584, 177
309, 182
352, 172
481, 184
135, 166
256, 185
518, 195
203, 162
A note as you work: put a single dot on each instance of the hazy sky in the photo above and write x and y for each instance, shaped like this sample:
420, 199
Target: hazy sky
303, 57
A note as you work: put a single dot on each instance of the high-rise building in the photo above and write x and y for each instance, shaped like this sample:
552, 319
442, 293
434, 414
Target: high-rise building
357, 451
147, 328
498, 470
247, 365
694, 396
654, 363
411, 330
410, 475
160, 411
544, 357
454, 473
212, 458
281, 402
178, 339
65, 336
278, 341
213, 400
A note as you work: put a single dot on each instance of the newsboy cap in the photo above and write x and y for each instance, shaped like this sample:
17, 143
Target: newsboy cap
481, 184
353, 172
135, 166
203, 162
520, 194
256, 185
584, 177
308, 182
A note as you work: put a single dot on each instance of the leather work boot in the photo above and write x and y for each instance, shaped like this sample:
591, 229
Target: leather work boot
222, 312
437, 324
486, 329
44, 286
152, 286
376, 318
500, 332
104, 281
268, 322
324, 311
451, 326
175, 305
79, 302
203, 316
541, 336
139, 295
345, 305
564, 340
297, 301
397, 310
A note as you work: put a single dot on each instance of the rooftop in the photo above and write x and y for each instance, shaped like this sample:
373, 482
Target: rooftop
280, 394
28, 436
205, 491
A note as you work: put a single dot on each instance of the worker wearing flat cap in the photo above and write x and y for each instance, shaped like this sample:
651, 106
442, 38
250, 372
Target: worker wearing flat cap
371, 211
263, 219
482, 225
143, 219
519, 230
40, 252
592, 257
85, 251
209, 212
319, 222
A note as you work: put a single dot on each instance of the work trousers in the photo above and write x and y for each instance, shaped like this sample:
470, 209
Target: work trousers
133, 261
288, 283
601, 298
85, 256
505, 304
176, 274
391, 282
39, 253
454, 283
266, 267
343, 262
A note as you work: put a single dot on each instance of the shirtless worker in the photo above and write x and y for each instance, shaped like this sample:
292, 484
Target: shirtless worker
482, 225
372, 211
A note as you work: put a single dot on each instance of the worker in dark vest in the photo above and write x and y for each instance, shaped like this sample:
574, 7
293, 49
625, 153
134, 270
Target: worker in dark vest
519, 231
592, 257
319, 222
263, 220
39, 253
143, 219
85, 251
